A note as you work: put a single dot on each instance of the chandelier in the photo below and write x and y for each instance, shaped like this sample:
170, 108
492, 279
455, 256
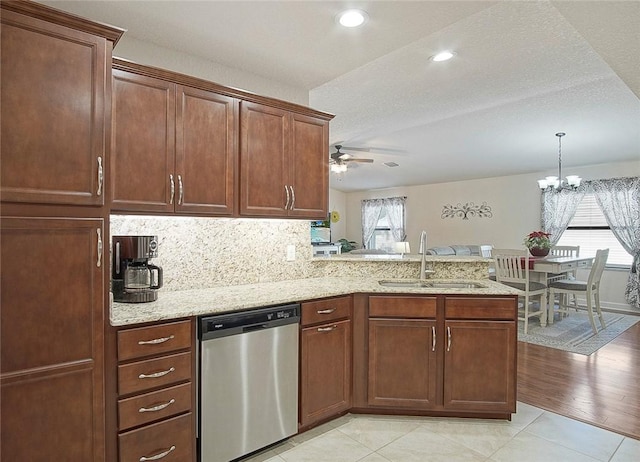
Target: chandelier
556, 182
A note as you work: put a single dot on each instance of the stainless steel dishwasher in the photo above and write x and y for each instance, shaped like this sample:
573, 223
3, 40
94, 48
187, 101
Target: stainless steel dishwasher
248, 374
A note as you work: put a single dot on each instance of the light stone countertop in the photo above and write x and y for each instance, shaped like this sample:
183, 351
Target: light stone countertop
401, 258
197, 302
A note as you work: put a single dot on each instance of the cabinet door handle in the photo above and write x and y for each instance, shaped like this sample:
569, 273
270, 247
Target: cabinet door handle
99, 258
173, 188
326, 329
156, 375
448, 338
155, 341
158, 456
181, 189
158, 407
328, 311
286, 189
293, 198
100, 176
433, 338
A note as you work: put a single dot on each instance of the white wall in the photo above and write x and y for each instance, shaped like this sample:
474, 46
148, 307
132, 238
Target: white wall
153, 55
338, 203
514, 202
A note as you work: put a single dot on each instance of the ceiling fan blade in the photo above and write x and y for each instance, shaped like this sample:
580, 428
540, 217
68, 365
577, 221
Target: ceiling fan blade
346, 148
364, 161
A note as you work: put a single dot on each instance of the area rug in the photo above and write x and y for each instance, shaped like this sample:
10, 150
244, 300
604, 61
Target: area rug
573, 333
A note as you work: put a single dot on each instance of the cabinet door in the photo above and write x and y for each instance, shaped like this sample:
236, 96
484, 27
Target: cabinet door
309, 167
402, 363
480, 366
325, 377
205, 151
52, 114
52, 339
143, 143
264, 147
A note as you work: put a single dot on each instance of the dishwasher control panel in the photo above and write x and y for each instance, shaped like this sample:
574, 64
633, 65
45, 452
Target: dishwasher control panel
246, 321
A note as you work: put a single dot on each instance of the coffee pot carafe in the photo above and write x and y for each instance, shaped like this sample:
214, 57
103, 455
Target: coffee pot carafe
133, 278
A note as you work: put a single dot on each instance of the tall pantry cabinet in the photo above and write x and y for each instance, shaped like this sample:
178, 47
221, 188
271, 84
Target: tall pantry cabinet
55, 126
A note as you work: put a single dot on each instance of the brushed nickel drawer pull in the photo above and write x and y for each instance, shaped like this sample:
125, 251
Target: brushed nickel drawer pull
173, 188
99, 261
100, 177
158, 456
158, 407
326, 329
329, 311
155, 341
433, 338
155, 375
449, 338
286, 189
181, 189
293, 198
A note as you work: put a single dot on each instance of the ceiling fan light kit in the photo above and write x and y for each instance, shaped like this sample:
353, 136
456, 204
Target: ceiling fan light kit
339, 161
556, 182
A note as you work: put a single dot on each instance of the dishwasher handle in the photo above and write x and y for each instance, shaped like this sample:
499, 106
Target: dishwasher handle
254, 328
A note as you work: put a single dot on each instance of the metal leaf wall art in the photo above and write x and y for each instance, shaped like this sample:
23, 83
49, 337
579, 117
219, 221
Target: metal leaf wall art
467, 210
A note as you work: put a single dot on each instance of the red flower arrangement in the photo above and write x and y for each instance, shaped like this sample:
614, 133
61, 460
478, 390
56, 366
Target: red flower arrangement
538, 239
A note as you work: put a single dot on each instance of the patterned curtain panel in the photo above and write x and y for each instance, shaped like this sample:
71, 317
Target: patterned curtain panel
619, 199
558, 208
371, 210
394, 207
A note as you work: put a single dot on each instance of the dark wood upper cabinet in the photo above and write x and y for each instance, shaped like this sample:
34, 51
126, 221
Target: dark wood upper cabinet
55, 107
185, 145
205, 151
143, 156
173, 145
284, 163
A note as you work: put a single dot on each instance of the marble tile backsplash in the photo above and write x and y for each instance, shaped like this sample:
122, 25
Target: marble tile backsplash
201, 252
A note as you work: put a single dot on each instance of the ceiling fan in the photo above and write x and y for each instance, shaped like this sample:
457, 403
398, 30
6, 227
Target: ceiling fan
340, 160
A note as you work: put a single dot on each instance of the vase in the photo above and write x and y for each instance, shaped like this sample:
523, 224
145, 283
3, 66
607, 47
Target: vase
539, 251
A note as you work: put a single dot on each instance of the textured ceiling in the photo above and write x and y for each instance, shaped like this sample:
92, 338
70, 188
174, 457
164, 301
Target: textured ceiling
523, 71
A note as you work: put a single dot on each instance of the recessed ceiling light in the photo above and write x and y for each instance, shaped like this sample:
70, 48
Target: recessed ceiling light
443, 56
352, 18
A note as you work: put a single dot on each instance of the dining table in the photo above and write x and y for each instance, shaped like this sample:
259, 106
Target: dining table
549, 269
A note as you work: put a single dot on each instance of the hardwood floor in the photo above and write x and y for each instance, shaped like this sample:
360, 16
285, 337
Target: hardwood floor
602, 389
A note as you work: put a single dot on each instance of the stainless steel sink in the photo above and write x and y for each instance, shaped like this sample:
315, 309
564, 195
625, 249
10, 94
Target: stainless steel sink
430, 284
402, 283
454, 285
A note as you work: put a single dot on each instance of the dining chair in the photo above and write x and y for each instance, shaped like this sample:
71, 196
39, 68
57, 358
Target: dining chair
512, 269
589, 288
563, 251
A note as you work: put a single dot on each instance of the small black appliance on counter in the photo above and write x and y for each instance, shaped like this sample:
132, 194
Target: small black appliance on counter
133, 278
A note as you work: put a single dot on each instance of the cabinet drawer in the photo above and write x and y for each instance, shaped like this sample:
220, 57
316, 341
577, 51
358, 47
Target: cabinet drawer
480, 308
326, 310
173, 437
402, 307
154, 406
152, 373
148, 341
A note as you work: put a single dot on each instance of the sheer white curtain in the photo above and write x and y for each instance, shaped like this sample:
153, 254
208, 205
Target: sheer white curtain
619, 199
371, 209
394, 208
558, 208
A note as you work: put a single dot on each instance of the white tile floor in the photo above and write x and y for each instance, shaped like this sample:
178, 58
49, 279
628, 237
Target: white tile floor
532, 435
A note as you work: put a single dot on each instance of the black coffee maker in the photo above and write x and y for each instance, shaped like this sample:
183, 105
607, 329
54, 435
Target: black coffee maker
133, 278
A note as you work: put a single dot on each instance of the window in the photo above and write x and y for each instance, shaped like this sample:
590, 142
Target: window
383, 222
382, 238
589, 229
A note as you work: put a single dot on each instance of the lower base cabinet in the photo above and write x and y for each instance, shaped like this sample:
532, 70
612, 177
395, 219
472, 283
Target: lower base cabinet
325, 360
450, 355
156, 390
